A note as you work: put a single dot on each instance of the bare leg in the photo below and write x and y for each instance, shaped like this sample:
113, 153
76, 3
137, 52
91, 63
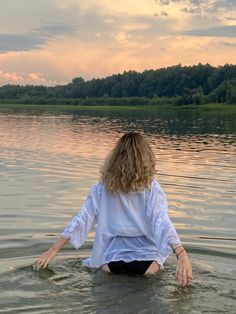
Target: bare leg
153, 269
105, 268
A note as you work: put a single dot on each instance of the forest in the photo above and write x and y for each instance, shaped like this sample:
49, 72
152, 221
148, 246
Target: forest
176, 85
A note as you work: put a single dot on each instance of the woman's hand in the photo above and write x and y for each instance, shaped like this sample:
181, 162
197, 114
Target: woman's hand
47, 256
44, 259
183, 275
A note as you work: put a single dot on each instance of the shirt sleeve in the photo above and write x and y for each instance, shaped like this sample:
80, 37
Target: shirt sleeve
86, 218
163, 229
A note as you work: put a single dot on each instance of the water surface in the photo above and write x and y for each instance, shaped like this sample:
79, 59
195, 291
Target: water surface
49, 160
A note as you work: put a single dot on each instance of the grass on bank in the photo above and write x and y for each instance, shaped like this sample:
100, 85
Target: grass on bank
205, 107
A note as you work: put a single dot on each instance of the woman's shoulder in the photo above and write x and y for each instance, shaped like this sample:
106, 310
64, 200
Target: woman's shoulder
155, 184
97, 186
155, 187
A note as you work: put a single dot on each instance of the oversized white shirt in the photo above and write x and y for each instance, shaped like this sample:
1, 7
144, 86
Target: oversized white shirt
129, 226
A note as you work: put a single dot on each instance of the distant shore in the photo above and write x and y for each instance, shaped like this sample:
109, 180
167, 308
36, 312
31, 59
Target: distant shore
204, 107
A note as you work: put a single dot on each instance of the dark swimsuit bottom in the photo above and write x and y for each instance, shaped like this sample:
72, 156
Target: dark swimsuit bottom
130, 268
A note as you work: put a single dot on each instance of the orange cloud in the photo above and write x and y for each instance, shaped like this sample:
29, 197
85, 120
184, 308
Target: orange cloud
30, 78
9, 78
93, 39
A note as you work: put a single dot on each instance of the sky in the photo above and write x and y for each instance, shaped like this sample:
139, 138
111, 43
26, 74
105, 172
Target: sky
49, 42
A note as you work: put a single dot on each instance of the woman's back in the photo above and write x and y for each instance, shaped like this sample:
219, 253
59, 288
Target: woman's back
129, 226
124, 213
124, 230
130, 211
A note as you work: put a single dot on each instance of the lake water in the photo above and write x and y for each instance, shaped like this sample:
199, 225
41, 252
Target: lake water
48, 161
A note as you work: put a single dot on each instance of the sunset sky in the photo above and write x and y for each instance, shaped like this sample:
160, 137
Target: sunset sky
51, 41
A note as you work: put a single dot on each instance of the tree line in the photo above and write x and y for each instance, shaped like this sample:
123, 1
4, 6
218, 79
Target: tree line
177, 85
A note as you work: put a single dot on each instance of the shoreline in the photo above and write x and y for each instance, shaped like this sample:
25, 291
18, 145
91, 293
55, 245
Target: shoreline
204, 107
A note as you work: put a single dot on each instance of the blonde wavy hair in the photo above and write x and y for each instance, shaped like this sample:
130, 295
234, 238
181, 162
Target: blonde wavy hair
130, 166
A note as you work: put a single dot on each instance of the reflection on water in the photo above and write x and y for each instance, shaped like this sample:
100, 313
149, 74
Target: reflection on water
48, 162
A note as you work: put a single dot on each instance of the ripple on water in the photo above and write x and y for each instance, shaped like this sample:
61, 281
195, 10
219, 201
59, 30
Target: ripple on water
67, 286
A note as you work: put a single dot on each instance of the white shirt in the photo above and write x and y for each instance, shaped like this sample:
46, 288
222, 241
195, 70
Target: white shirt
129, 226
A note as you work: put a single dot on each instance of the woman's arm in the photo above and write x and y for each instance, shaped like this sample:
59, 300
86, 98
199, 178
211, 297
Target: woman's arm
47, 256
167, 239
183, 275
77, 230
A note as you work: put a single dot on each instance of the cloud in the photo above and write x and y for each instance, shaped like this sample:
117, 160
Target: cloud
203, 6
7, 78
33, 39
164, 13
17, 17
30, 78
213, 3
20, 42
217, 31
164, 2
47, 64
90, 21
196, 10
157, 27
228, 44
55, 29
167, 2
226, 4
56, 40
89, 26
230, 18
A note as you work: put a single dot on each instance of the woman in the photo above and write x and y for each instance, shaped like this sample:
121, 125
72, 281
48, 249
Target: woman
134, 234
